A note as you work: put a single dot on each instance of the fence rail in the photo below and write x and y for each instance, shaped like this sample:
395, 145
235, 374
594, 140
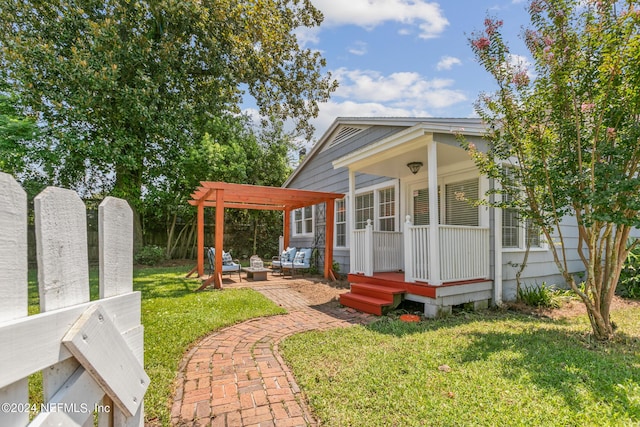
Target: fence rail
90, 353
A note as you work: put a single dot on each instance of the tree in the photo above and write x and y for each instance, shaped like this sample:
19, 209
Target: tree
125, 87
570, 130
231, 150
17, 135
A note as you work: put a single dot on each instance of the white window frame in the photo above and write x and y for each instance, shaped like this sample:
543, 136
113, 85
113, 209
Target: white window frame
345, 206
375, 189
522, 230
303, 220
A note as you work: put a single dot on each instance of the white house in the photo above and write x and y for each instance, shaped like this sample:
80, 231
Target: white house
405, 228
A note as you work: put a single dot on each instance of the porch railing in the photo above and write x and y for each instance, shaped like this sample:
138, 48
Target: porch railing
376, 250
463, 253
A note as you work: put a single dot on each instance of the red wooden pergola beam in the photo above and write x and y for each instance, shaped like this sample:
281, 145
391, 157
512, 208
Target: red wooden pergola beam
221, 195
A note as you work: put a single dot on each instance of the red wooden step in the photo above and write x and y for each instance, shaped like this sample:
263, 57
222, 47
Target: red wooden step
386, 293
365, 303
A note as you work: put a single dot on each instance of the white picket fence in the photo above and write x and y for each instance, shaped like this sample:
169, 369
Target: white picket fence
90, 352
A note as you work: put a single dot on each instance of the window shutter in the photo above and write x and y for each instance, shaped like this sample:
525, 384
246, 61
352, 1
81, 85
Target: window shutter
459, 197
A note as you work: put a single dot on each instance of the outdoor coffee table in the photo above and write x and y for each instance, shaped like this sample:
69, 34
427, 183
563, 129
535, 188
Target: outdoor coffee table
256, 273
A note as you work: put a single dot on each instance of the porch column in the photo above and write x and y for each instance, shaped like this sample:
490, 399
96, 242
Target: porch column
434, 229
351, 212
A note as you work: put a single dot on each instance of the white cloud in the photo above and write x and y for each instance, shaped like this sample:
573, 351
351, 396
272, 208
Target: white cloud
358, 48
428, 16
447, 62
306, 35
407, 90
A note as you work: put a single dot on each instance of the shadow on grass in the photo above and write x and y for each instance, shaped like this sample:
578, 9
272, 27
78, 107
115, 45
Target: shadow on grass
550, 354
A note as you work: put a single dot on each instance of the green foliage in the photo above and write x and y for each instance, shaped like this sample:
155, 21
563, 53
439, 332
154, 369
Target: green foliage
126, 88
541, 296
149, 255
629, 284
568, 126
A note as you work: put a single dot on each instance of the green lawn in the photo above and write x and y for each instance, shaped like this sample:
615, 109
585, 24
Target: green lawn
174, 316
505, 370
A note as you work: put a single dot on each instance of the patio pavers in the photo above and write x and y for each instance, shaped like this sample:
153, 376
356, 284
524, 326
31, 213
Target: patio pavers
236, 377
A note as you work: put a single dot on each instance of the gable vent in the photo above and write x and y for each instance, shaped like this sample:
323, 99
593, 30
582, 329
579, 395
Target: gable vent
344, 133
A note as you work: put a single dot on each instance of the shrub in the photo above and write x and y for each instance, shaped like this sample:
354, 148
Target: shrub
629, 283
149, 255
540, 296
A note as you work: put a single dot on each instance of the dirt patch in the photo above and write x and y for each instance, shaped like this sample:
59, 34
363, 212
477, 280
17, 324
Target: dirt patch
319, 292
571, 308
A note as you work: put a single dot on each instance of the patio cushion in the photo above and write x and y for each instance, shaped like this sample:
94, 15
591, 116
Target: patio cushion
303, 258
226, 258
288, 255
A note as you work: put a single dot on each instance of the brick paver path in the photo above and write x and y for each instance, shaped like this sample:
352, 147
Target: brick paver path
235, 376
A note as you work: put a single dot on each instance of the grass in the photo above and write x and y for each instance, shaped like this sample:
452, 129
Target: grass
174, 317
504, 369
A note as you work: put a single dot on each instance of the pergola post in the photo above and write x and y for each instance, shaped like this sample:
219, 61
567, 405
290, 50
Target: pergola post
286, 233
328, 241
201, 238
219, 242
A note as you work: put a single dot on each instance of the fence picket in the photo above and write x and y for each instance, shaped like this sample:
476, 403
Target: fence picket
13, 282
63, 266
115, 230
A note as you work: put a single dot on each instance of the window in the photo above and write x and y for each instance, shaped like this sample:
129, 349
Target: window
421, 206
459, 207
378, 205
364, 209
386, 209
303, 220
516, 233
341, 223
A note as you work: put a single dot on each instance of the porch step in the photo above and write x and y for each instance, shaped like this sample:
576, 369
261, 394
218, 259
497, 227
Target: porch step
365, 303
373, 299
386, 293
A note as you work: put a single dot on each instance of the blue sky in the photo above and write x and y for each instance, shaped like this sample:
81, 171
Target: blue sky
406, 57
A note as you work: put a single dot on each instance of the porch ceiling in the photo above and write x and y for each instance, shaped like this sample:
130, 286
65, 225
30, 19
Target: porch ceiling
390, 158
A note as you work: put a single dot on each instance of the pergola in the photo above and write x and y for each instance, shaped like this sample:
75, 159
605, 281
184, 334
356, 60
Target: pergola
221, 195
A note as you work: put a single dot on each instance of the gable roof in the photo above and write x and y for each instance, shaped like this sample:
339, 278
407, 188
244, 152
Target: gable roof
343, 128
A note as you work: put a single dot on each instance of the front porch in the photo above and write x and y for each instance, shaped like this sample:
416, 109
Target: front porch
412, 212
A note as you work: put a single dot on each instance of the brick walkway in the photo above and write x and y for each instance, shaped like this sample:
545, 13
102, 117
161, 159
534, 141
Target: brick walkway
236, 377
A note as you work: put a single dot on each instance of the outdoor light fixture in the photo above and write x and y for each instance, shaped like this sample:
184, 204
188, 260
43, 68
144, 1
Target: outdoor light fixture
414, 167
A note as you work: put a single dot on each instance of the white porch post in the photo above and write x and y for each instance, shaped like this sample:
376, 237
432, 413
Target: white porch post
408, 251
368, 249
434, 229
351, 219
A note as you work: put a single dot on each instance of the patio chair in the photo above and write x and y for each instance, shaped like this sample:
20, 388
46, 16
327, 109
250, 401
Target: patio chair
285, 256
229, 265
301, 261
